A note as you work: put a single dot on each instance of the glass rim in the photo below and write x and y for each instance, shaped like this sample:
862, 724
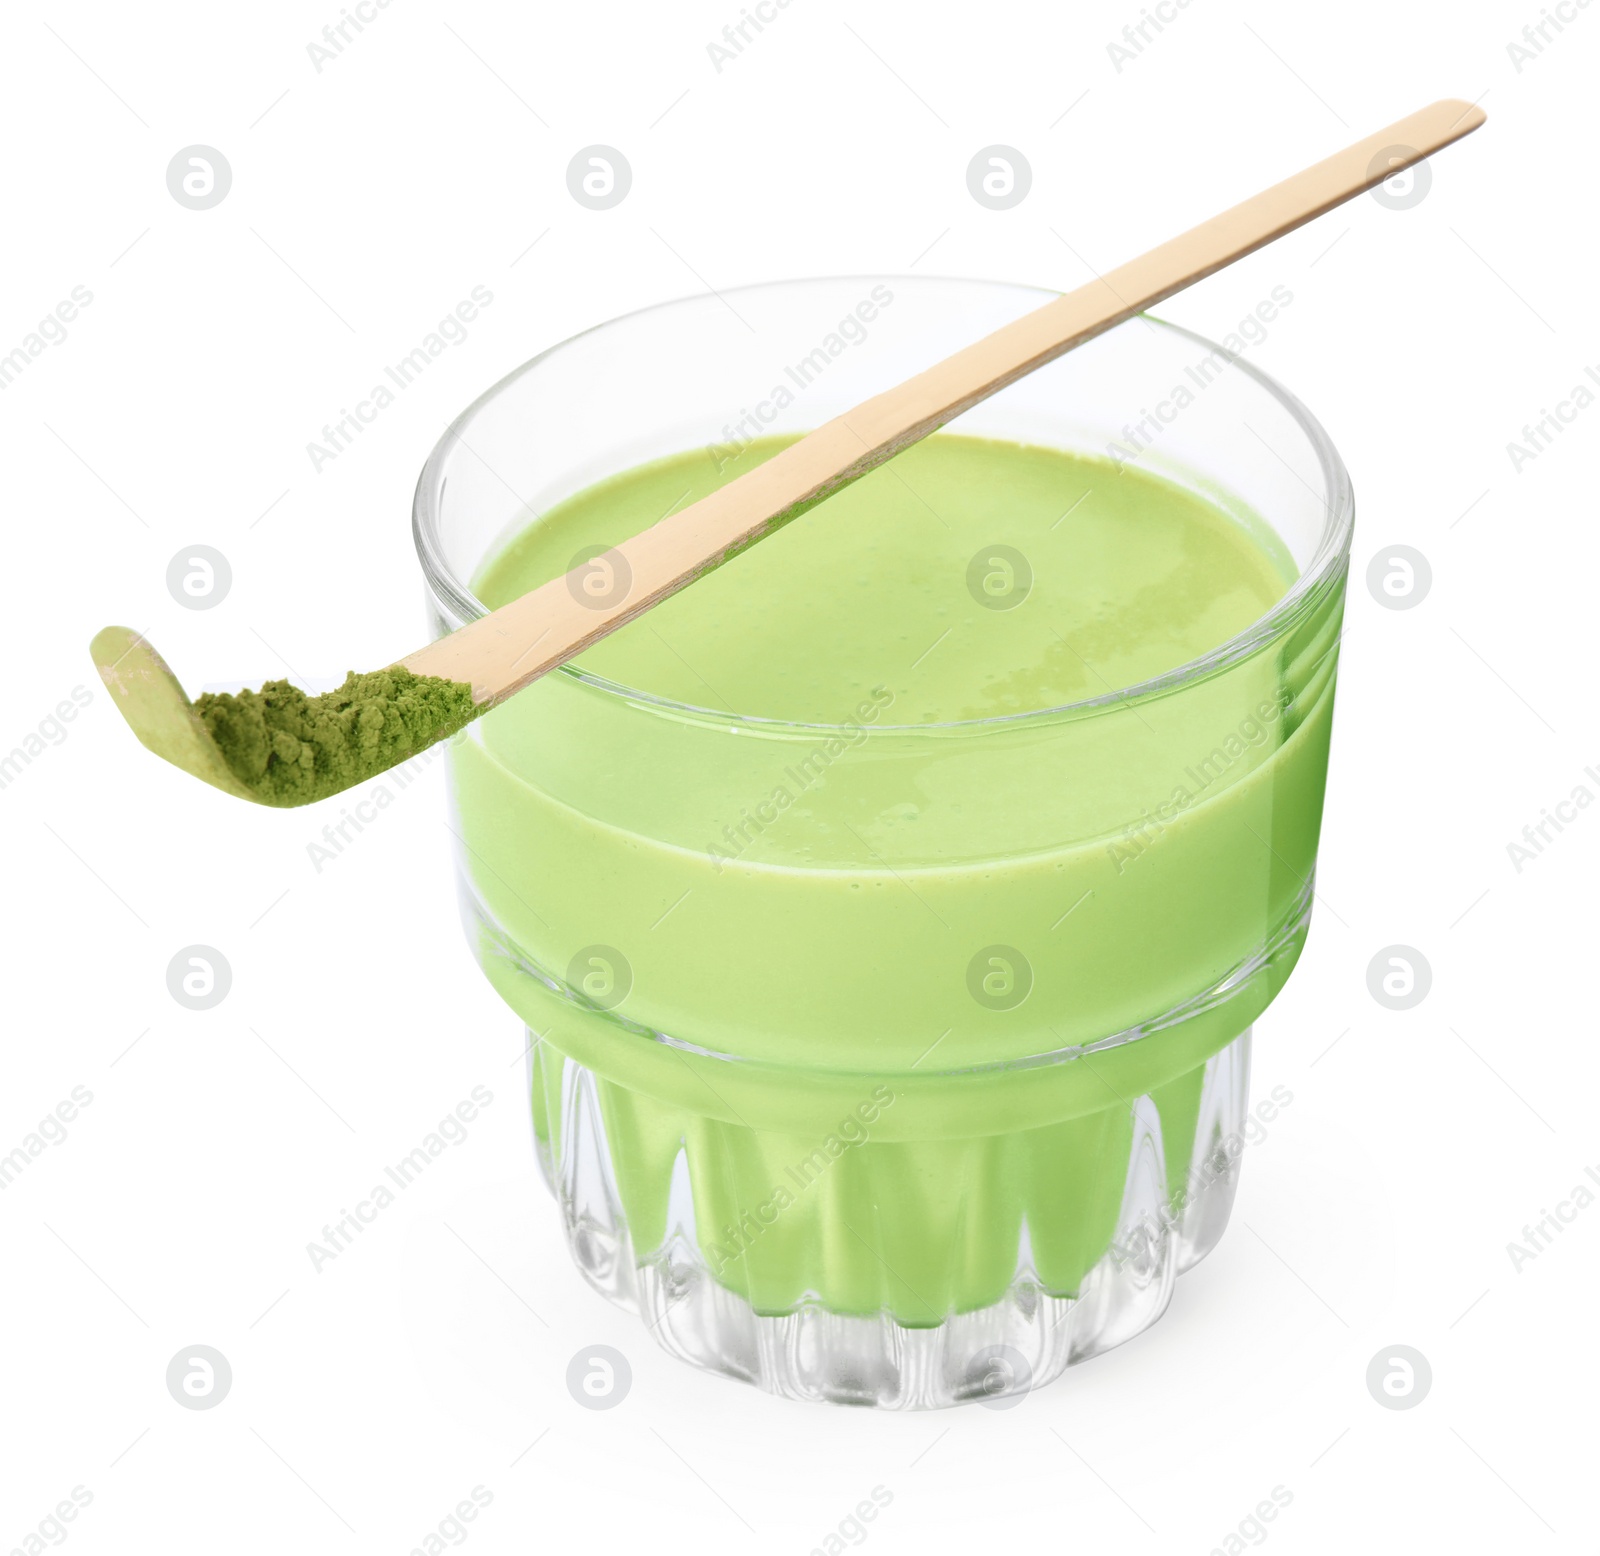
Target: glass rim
1326, 563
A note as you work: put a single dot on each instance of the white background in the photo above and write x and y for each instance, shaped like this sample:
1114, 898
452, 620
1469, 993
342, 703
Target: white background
367, 200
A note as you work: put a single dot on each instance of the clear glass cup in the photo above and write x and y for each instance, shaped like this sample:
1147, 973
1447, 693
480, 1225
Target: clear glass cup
931, 1144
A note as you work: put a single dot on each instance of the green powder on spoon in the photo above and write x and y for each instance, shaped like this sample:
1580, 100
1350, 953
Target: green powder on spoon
289, 748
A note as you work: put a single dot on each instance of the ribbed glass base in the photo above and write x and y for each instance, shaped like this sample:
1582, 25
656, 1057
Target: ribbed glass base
990, 1353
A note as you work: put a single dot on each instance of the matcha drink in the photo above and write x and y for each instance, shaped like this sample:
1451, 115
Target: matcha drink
891, 907
806, 903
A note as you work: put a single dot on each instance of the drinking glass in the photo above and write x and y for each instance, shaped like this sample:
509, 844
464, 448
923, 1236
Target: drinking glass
837, 1105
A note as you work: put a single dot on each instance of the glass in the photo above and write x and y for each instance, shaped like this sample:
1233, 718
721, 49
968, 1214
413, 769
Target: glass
929, 1144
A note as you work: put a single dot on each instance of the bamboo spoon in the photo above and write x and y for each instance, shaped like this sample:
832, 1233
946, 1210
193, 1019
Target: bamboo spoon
500, 653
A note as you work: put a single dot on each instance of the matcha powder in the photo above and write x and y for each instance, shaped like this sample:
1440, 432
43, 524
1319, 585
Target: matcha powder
291, 749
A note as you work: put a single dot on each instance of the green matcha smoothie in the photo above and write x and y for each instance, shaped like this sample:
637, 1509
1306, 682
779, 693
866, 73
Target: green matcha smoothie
1098, 579
888, 929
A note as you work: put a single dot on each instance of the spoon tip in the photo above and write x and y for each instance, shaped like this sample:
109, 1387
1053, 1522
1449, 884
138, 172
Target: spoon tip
150, 698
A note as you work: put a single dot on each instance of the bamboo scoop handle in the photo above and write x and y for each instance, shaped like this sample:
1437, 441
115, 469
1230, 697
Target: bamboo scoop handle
501, 652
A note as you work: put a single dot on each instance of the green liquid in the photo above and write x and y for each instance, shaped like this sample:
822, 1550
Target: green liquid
1130, 577
821, 896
